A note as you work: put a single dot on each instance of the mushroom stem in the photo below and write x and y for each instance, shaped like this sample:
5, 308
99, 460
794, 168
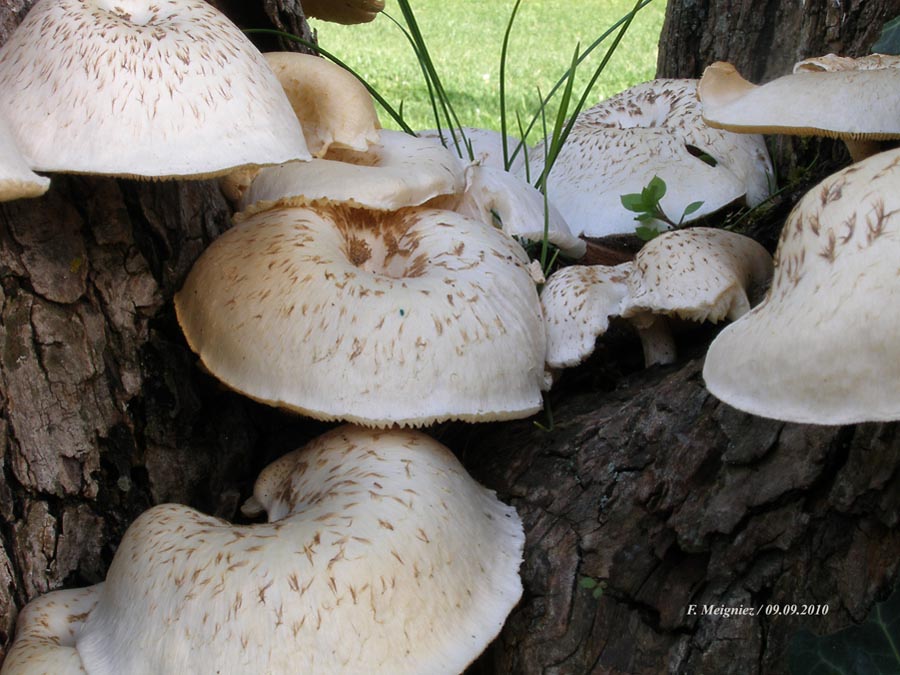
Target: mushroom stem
859, 149
656, 339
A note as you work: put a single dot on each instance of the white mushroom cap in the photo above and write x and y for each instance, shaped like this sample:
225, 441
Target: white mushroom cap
333, 106
578, 302
381, 556
380, 318
847, 99
17, 180
519, 206
652, 129
136, 88
398, 171
343, 11
699, 273
822, 347
486, 144
46, 631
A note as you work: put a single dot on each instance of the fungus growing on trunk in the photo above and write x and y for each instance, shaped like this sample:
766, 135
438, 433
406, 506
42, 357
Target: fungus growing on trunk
397, 317
381, 555
168, 89
822, 346
651, 129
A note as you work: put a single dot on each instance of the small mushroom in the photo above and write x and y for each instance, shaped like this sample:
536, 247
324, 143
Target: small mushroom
381, 555
822, 346
142, 89
855, 100
334, 108
699, 274
397, 317
343, 11
398, 171
652, 129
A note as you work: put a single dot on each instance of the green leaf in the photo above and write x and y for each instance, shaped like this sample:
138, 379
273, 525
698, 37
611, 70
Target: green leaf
597, 592
645, 217
690, 208
646, 233
655, 190
587, 582
872, 647
634, 201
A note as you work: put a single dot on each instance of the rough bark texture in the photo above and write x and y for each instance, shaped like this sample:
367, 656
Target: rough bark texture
672, 499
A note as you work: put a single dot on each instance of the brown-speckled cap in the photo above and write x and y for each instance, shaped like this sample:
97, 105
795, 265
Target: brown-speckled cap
161, 89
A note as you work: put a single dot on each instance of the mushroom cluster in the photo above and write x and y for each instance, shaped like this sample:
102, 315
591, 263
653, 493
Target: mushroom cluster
380, 555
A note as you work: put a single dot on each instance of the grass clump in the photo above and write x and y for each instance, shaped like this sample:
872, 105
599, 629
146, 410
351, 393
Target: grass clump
464, 42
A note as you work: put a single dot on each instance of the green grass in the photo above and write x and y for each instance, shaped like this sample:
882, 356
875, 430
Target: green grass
464, 39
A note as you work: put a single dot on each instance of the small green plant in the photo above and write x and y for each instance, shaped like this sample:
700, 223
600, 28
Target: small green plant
595, 586
646, 204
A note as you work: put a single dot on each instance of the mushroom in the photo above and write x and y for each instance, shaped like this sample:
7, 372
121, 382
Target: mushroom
46, 631
398, 171
699, 274
652, 129
855, 100
381, 555
334, 108
495, 196
406, 317
486, 145
142, 89
17, 180
822, 346
343, 11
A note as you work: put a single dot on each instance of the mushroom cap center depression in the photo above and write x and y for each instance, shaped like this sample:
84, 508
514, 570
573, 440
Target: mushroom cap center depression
137, 12
381, 244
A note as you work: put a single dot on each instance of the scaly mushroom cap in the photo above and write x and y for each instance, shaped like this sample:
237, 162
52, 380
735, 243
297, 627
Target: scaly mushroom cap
343, 11
333, 106
578, 302
822, 347
849, 103
652, 129
493, 193
398, 171
17, 180
381, 556
46, 631
162, 89
380, 318
700, 274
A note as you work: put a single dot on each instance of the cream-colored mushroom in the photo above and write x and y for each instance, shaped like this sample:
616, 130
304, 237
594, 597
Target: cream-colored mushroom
822, 347
652, 129
17, 180
144, 89
398, 171
381, 318
855, 100
700, 274
381, 555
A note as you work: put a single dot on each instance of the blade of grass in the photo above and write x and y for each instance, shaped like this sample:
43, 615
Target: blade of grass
504, 49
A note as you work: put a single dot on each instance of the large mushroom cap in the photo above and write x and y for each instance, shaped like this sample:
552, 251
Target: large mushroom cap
46, 631
652, 129
486, 145
333, 106
381, 556
400, 170
138, 88
17, 180
405, 317
822, 347
841, 98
